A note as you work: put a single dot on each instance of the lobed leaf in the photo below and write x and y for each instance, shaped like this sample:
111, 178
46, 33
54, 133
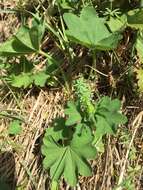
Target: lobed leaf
107, 117
92, 32
69, 160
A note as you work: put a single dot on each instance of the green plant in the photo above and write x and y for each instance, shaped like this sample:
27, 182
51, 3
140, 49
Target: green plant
128, 182
15, 128
74, 139
25, 42
93, 32
77, 138
24, 74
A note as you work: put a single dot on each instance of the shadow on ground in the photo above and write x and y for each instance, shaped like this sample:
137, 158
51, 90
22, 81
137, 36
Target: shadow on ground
7, 171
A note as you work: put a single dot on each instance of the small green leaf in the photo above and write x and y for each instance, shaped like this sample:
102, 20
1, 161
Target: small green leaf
40, 78
117, 24
19, 44
15, 128
118, 118
26, 36
22, 80
104, 103
98, 143
34, 37
74, 116
65, 4
135, 18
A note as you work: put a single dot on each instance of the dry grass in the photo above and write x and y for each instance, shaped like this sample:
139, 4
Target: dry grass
21, 158
37, 113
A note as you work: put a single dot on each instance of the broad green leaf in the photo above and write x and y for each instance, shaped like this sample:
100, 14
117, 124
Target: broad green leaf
102, 128
14, 47
74, 116
69, 160
22, 80
109, 43
92, 32
40, 78
15, 128
135, 18
118, 118
19, 44
79, 128
139, 46
26, 41
140, 79
26, 79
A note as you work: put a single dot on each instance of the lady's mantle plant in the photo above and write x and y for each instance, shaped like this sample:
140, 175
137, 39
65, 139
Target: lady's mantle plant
73, 140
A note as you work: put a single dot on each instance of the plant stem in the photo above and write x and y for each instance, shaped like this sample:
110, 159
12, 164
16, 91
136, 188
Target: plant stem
111, 5
93, 64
